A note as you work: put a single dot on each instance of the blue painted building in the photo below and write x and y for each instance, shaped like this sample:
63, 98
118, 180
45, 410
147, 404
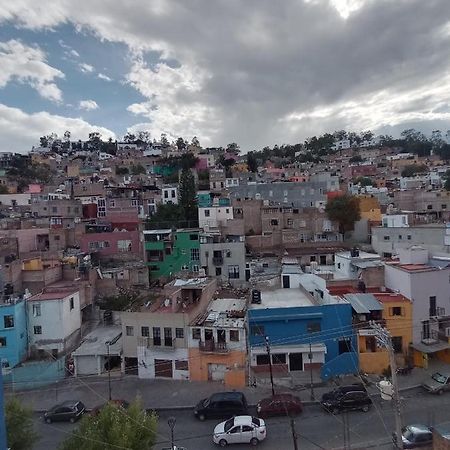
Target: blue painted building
302, 333
13, 333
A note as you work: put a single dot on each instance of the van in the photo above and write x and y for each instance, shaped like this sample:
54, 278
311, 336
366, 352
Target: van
222, 405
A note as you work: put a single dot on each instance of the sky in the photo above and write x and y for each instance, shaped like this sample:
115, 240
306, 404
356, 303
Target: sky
255, 72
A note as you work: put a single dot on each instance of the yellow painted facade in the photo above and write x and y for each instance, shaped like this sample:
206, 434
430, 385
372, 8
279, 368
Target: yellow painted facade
32, 264
235, 375
370, 208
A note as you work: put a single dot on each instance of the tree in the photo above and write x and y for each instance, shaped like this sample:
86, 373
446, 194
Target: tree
252, 162
120, 302
180, 143
122, 170
164, 140
364, 181
113, 428
188, 193
95, 140
233, 148
413, 169
195, 142
344, 210
129, 138
3, 189
19, 426
166, 216
144, 137
355, 159
138, 169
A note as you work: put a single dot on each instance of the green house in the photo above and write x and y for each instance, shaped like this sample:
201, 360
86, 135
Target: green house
168, 251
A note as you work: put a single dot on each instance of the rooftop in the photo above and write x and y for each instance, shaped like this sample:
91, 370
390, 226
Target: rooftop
283, 298
363, 303
95, 342
412, 268
54, 295
223, 313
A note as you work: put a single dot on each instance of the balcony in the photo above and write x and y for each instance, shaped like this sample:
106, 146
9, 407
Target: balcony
166, 344
218, 260
210, 346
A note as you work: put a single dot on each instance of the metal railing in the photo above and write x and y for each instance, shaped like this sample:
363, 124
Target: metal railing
210, 346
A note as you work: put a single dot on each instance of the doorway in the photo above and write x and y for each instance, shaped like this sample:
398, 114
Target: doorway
163, 368
286, 282
295, 362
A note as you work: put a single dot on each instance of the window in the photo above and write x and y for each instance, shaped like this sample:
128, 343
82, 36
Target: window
207, 214
233, 272
173, 193
228, 253
196, 333
112, 203
257, 330
36, 309
37, 329
179, 333
345, 345
56, 238
387, 238
290, 222
433, 308
193, 237
71, 303
124, 245
166, 194
129, 331
429, 206
313, 327
408, 237
156, 336
396, 311
262, 360
145, 331
54, 209
234, 335
134, 202
400, 237
181, 364
218, 271
274, 222
195, 254
279, 358
2, 341
8, 321
444, 206
397, 344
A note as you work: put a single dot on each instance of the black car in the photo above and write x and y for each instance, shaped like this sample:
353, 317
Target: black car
345, 400
69, 411
415, 436
222, 406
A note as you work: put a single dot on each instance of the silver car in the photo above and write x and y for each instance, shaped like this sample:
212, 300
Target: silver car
437, 383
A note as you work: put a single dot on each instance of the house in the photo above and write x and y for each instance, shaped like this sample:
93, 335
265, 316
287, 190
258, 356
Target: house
119, 244
217, 343
215, 214
155, 339
54, 321
168, 252
169, 194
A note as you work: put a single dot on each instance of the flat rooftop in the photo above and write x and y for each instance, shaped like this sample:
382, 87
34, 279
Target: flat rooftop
283, 298
95, 342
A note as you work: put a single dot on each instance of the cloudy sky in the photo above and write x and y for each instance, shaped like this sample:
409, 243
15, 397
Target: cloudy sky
257, 72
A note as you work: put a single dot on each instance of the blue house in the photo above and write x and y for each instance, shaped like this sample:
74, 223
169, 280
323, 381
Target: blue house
13, 333
303, 334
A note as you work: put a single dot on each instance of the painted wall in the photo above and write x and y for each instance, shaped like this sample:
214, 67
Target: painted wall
147, 356
214, 216
15, 350
88, 243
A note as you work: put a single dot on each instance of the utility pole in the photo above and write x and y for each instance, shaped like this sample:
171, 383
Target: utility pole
270, 364
345, 423
384, 339
310, 356
294, 434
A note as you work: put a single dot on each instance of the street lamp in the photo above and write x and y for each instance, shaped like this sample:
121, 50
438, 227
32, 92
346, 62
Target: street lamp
270, 364
171, 421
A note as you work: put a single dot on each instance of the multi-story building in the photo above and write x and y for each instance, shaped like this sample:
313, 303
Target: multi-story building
218, 343
169, 252
169, 194
214, 213
435, 204
223, 256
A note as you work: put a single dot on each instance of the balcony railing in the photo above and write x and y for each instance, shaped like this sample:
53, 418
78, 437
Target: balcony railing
430, 337
210, 346
157, 343
218, 260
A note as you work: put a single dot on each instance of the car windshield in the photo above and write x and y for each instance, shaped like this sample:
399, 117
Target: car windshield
206, 402
228, 424
408, 434
256, 421
438, 377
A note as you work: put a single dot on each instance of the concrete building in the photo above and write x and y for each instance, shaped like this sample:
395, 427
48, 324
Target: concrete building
54, 321
215, 215
218, 345
169, 194
119, 244
434, 203
223, 256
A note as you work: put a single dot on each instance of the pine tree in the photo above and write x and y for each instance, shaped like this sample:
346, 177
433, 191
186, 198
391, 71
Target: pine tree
188, 195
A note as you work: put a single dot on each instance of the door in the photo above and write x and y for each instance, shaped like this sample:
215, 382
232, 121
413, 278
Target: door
221, 338
426, 329
216, 372
163, 368
286, 282
295, 362
234, 435
432, 306
168, 337
247, 433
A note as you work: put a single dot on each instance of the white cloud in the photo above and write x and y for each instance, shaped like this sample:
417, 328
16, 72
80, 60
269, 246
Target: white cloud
28, 65
102, 76
88, 105
85, 68
19, 131
74, 53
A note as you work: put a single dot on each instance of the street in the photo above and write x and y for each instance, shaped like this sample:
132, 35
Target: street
315, 428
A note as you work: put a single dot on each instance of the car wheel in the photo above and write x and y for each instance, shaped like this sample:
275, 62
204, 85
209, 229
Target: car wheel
201, 417
365, 408
254, 442
223, 443
335, 411
440, 392
72, 420
48, 420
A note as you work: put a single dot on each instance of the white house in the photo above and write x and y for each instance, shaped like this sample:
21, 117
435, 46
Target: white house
214, 216
395, 220
343, 144
169, 194
54, 321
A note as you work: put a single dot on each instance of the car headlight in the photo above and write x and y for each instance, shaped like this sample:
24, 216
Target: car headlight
258, 408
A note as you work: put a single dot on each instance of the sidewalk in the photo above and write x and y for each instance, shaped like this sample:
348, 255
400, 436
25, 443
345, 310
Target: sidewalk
162, 394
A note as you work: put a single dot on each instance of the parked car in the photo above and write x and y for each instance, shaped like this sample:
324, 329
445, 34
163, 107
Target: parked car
221, 405
279, 405
338, 400
69, 411
240, 430
415, 436
119, 403
437, 383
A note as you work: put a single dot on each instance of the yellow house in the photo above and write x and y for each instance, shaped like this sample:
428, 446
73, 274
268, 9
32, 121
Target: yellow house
370, 208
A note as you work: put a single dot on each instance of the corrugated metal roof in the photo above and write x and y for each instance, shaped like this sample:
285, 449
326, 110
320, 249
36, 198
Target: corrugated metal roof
363, 303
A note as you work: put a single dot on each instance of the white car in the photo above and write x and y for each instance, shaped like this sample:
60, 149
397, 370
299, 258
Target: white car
240, 430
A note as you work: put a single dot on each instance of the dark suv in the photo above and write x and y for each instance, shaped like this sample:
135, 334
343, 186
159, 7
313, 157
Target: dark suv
69, 411
347, 398
222, 406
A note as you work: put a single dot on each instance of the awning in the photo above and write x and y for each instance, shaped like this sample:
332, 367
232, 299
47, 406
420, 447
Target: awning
363, 303
431, 348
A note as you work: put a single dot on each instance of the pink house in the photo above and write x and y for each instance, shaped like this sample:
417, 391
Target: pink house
112, 243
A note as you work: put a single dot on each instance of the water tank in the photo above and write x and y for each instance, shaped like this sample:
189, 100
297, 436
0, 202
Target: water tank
386, 389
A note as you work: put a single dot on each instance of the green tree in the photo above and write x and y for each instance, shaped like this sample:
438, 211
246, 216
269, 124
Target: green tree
447, 184
129, 138
113, 428
413, 169
363, 181
166, 216
122, 170
188, 195
356, 159
252, 162
138, 169
3, 189
344, 210
181, 145
125, 299
19, 426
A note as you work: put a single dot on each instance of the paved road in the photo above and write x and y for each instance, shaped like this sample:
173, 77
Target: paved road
316, 428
